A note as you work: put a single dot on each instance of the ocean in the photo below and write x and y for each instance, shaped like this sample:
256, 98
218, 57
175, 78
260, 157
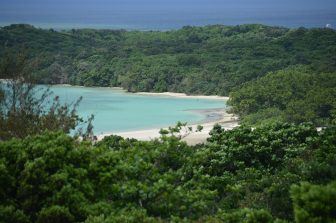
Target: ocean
119, 111
165, 15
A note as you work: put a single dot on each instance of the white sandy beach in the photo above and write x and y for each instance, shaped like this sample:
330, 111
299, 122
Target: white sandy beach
227, 121
165, 94
182, 95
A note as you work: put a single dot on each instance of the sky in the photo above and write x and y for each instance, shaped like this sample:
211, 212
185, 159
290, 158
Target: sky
167, 13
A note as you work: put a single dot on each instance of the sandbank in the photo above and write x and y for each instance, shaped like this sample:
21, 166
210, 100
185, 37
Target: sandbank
183, 95
211, 117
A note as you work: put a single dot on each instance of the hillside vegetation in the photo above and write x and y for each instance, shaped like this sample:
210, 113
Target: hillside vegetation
193, 60
276, 173
295, 95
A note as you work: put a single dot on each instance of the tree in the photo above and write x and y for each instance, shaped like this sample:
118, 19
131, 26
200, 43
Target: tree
240, 175
27, 108
314, 203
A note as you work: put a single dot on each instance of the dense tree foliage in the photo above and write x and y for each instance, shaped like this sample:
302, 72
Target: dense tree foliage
314, 203
242, 175
195, 60
296, 94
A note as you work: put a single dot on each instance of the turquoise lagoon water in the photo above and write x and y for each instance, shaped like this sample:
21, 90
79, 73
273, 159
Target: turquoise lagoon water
116, 110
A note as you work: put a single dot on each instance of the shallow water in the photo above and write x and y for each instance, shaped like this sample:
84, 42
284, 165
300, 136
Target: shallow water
117, 111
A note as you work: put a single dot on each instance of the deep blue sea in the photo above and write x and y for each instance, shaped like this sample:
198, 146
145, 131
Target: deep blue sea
166, 14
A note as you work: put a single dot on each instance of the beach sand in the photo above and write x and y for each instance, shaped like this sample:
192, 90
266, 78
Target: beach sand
211, 117
182, 95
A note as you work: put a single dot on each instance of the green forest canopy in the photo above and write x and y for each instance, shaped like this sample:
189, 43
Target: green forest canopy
241, 175
194, 60
296, 95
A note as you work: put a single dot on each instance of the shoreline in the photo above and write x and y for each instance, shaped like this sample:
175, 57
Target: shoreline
183, 95
209, 115
160, 94
212, 117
